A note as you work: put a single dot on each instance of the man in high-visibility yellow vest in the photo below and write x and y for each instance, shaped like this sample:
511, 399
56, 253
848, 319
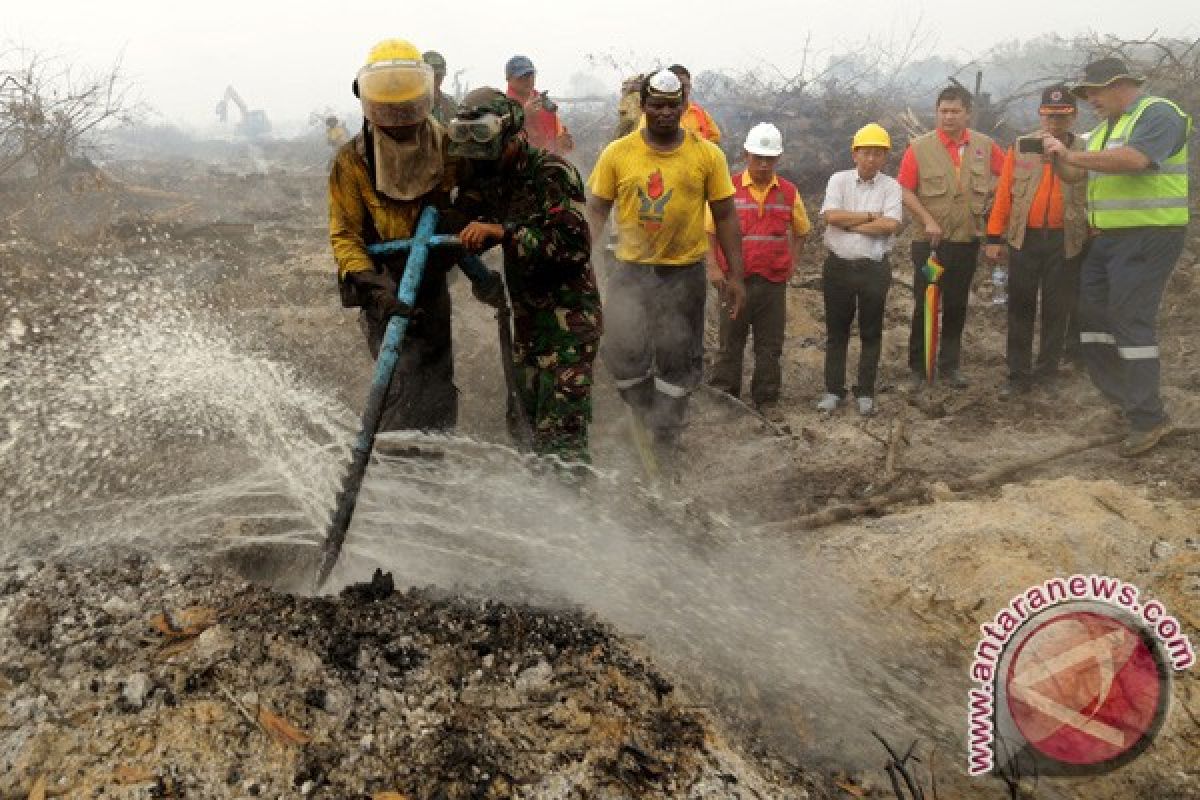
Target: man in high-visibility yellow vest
1137, 202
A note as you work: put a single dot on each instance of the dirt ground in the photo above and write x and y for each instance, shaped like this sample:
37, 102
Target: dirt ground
750, 661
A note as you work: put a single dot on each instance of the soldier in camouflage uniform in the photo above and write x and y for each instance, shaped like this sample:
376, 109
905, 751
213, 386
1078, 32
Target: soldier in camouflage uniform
531, 203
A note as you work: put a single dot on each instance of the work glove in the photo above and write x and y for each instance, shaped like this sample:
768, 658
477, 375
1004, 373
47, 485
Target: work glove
377, 294
490, 290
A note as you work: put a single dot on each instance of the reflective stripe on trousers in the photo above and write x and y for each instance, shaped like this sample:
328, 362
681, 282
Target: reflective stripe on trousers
1120, 291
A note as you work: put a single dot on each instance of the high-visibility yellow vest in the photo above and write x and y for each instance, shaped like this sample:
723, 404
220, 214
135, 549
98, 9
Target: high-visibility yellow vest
1152, 197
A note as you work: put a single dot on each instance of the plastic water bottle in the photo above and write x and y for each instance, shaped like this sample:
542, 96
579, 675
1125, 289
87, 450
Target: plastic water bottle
999, 285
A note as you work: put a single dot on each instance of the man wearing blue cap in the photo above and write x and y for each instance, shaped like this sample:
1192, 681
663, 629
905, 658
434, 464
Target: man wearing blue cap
542, 125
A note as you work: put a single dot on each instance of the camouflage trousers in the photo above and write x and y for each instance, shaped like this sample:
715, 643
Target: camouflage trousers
553, 367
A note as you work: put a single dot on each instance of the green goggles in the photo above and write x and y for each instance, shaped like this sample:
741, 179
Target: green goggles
482, 128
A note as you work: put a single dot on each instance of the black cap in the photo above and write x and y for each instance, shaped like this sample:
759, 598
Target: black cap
1099, 74
1057, 99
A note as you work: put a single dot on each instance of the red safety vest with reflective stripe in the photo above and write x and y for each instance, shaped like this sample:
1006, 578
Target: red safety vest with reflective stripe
765, 234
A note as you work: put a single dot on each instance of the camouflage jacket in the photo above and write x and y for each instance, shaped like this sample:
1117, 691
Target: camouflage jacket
540, 200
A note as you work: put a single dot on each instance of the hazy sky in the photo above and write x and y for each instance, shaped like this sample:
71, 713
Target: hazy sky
290, 58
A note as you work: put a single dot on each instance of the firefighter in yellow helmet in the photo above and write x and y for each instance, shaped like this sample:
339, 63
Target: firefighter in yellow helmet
380, 181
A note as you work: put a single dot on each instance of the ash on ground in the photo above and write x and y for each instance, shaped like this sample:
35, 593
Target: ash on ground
142, 681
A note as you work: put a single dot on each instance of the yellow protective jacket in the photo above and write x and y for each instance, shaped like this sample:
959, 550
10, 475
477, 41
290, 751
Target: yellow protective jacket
359, 216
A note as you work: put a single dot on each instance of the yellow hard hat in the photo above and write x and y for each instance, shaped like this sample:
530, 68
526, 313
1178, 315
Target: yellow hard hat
393, 50
871, 135
396, 85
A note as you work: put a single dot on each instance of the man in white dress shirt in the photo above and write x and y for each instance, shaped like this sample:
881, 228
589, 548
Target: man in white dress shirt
863, 209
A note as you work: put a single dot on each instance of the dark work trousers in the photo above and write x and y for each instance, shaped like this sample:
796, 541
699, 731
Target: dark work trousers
422, 394
1121, 288
764, 317
1037, 270
854, 287
960, 260
653, 343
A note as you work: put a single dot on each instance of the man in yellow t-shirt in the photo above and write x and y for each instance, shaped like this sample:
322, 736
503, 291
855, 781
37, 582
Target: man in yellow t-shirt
660, 179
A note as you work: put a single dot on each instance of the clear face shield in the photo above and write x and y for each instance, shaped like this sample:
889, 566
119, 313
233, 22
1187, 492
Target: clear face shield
478, 134
396, 93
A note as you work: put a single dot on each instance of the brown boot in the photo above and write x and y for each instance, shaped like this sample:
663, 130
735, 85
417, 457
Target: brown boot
1138, 442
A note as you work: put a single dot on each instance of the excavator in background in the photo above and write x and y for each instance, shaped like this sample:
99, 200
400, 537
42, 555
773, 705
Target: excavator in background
253, 124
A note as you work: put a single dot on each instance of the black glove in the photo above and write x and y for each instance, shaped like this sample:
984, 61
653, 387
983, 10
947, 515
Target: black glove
490, 290
377, 294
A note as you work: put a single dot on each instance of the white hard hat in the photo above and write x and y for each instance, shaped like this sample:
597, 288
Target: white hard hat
764, 139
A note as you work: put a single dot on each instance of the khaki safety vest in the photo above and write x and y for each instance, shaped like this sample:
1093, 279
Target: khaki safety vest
1026, 180
956, 197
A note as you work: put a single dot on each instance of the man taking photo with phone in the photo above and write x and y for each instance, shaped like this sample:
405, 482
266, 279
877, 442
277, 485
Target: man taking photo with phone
1137, 202
1039, 214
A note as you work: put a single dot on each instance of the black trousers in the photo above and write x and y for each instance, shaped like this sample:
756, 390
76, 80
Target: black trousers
1120, 291
422, 394
764, 317
1038, 271
852, 288
960, 260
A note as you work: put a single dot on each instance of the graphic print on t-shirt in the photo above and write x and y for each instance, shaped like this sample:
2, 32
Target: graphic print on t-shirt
653, 202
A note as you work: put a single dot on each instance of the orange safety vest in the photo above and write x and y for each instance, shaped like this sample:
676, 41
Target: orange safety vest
765, 234
703, 128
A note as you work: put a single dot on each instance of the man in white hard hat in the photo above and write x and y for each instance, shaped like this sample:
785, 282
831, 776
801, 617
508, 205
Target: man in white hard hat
774, 226
863, 209
660, 179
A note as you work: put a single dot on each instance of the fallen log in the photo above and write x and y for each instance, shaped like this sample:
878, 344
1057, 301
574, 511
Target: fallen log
882, 503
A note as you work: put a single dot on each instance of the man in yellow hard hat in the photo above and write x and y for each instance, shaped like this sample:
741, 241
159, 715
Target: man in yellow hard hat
863, 209
380, 181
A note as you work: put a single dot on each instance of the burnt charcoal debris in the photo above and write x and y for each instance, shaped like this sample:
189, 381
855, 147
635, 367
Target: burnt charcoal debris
254, 693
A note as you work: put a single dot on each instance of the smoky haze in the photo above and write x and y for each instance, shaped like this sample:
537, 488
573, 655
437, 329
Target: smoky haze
290, 59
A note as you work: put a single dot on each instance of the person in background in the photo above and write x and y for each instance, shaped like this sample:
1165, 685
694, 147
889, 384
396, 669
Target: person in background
863, 210
774, 226
336, 134
530, 202
660, 178
1039, 213
542, 124
947, 177
443, 104
1137, 202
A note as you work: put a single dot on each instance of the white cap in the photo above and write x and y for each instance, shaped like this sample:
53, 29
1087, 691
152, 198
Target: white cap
764, 139
665, 82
